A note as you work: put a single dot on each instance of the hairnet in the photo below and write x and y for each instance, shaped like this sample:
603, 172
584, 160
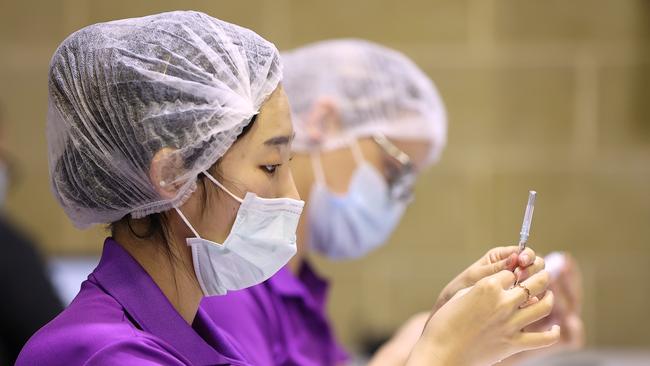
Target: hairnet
374, 89
120, 91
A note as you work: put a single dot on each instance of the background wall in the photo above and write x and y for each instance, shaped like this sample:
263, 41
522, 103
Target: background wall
548, 95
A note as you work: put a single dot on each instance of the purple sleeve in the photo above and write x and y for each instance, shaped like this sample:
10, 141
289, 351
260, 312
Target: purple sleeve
143, 351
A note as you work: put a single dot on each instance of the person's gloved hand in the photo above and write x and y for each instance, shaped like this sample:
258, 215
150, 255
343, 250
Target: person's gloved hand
495, 260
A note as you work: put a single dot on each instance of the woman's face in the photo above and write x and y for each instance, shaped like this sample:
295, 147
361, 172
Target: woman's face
258, 162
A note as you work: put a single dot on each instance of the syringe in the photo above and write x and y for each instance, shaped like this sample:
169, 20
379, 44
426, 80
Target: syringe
525, 226
528, 218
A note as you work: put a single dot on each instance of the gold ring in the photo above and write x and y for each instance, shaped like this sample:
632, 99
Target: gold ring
525, 289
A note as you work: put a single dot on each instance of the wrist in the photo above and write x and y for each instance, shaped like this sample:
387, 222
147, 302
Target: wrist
426, 352
387, 355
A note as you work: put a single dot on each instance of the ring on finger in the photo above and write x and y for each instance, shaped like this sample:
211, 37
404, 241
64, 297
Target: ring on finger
522, 286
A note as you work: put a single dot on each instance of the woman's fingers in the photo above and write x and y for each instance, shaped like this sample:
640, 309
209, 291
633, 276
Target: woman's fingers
506, 258
499, 253
534, 312
503, 279
537, 283
485, 270
533, 340
527, 257
532, 300
524, 259
524, 273
533, 286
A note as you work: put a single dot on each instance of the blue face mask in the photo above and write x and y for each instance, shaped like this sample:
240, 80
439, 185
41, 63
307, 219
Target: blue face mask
351, 225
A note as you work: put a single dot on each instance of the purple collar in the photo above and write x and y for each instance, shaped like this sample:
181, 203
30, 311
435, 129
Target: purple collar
307, 286
122, 277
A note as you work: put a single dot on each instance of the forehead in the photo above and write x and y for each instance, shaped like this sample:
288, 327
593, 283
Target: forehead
274, 118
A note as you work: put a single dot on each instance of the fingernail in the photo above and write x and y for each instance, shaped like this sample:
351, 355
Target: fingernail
556, 326
524, 258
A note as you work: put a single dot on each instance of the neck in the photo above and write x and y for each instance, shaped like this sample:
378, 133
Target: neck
171, 271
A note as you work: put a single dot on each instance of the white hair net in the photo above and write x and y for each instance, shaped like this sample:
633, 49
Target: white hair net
375, 90
121, 91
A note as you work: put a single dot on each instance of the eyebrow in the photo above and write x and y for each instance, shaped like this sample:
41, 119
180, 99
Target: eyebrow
279, 140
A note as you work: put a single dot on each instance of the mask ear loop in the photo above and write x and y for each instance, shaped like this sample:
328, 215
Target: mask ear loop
222, 187
187, 222
317, 163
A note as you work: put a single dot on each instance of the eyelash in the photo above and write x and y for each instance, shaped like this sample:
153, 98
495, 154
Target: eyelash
270, 169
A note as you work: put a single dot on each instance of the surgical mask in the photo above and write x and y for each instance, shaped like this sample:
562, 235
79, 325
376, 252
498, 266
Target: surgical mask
351, 225
261, 241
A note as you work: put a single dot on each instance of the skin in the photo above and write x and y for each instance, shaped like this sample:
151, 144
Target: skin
258, 162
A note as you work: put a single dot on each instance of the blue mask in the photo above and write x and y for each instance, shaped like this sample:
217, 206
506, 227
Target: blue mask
351, 225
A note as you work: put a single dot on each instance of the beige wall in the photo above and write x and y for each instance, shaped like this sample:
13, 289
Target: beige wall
546, 95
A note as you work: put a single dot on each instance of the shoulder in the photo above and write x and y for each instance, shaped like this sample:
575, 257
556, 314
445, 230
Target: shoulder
94, 330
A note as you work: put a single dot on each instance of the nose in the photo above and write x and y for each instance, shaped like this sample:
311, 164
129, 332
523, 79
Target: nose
290, 190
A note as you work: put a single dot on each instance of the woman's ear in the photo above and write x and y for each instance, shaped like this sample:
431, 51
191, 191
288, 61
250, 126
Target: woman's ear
164, 167
323, 119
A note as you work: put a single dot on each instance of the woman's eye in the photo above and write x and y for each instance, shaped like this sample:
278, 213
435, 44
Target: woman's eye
270, 169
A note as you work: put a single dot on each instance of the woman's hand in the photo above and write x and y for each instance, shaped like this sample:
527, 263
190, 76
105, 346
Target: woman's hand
484, 324
566, 284
495, 260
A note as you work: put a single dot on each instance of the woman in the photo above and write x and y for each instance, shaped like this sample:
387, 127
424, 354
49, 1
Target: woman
367, 122
171, 128
151, 129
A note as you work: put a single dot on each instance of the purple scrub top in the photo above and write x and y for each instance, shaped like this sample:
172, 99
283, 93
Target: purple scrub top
121, 317
282, 321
